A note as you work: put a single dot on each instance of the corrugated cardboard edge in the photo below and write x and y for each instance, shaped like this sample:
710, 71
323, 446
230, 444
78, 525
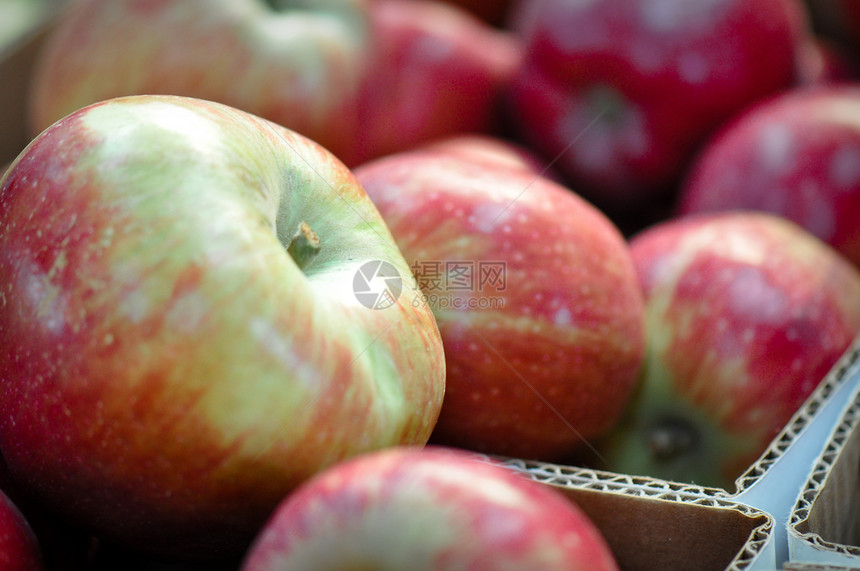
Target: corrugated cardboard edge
842, 372
678, 501
825, 521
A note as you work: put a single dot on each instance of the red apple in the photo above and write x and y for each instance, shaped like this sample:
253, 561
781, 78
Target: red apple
360, 78
434, 509
19, 548
533, 289
621, 92
187, 324
435, 71
746, 312
797, 155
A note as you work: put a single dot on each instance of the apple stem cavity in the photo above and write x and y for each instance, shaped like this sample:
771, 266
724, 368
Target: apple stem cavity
670, 438
609, 104
304, 246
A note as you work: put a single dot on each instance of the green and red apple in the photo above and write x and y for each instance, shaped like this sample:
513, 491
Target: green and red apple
361, 78
182, 339
746, 312
533, 288
434, 509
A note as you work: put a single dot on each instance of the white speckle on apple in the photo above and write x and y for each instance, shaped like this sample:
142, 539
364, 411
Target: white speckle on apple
693, 68
486, 214
844, 168
776, 148
751, 295
107, 238
563, 317
187, 312
44, 298
432, 49
819, 217
273, 342
796, 364
570, 31
135, 305
664, 16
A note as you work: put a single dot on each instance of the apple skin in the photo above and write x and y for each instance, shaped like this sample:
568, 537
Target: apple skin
746, 312
19, 548
433, 509
169, 371
796, 155
436, 72
541, 365
362, 79
621, 92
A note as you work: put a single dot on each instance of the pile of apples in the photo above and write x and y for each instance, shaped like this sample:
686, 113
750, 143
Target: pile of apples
280, 281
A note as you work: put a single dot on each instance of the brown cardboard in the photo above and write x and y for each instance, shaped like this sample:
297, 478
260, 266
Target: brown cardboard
825, 520
655, 524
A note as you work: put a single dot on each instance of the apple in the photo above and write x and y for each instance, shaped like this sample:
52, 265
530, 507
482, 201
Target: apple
533, 289
435, 71
19, 548
186, 327
746, 312
796, 155
621, 92
431, 509
360, 78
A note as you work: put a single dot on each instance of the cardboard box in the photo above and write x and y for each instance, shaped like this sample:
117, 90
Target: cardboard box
655, 524
651, 523
824, 527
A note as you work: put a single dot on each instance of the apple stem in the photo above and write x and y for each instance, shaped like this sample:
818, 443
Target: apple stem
304, 246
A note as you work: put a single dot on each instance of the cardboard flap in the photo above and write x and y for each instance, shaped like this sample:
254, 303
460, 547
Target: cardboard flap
826, 515
656, 524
